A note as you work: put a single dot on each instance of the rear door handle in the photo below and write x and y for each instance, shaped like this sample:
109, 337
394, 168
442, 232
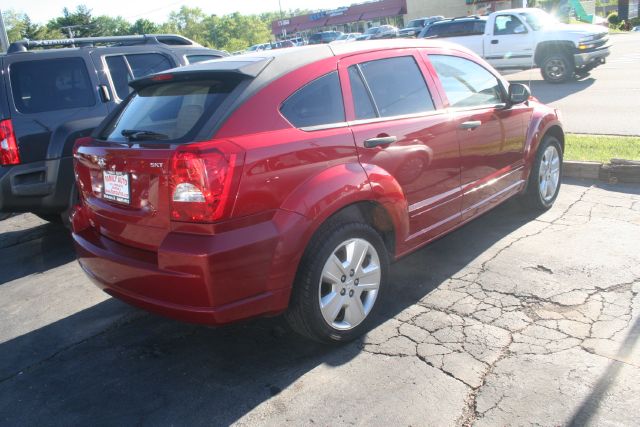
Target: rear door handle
471, 125
380, 140
495, 41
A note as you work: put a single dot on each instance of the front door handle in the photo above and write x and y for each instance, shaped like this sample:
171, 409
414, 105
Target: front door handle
494, 41
380, 140
471, 125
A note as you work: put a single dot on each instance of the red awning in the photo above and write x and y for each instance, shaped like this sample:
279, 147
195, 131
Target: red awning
343, 19
380, 14
312, 24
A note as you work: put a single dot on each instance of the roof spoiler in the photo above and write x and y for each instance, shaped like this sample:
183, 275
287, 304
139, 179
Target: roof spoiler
169, 39
239, 68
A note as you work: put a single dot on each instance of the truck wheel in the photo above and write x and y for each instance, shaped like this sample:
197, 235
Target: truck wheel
557, 68
340, 283
546, 175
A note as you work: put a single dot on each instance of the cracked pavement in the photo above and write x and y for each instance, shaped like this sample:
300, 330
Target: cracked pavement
515, 319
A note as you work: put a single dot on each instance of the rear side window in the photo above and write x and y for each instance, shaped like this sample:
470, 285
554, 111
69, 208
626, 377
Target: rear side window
172, 111
318, 103
192, 59
466, 83
124, 68
51, 85
457, 29
397, 86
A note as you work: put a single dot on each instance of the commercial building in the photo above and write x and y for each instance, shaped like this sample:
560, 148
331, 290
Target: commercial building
359, 17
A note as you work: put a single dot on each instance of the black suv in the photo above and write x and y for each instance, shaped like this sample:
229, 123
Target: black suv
53, 95
455, 27
324, 37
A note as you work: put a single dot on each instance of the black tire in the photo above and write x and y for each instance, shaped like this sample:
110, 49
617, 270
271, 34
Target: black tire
532, 197
304, 314
557, 68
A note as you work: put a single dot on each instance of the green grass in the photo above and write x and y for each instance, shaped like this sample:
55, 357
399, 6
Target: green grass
601, 148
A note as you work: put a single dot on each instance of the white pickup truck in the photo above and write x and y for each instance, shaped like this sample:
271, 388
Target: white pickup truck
527, 38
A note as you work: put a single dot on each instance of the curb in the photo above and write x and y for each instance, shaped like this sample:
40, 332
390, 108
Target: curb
616, 171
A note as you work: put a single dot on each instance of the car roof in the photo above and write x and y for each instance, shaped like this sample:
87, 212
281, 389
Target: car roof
463, 19
264, 67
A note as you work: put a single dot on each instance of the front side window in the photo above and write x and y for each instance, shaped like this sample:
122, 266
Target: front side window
316, 104
125, 68
396, 86
466, 83
507, 24
51, 85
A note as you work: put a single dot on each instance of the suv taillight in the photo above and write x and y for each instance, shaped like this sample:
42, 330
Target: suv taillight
9, 154
202, 181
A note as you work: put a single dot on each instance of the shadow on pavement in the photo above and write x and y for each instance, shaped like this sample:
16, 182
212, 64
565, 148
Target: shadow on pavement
549, 93
145, 369
34, 250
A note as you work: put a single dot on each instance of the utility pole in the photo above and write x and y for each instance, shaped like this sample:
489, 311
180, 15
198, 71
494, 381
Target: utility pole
4, 39
284, 32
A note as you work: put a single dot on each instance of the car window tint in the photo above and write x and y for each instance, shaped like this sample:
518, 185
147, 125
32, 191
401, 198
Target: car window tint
148, 63
192, 59
173, 109
466, 83
361, 101
397, 86
317, 103
120, 75
123, 69
49, 85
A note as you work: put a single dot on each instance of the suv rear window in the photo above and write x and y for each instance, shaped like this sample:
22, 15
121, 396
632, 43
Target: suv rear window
173, 111
318, 103
124, 68
50, 85
457, 29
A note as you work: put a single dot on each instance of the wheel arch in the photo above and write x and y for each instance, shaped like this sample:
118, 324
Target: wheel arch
541, 125
352, 192
554, 46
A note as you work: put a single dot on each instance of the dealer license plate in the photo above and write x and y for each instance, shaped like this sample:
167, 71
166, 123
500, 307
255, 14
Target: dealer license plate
116, 187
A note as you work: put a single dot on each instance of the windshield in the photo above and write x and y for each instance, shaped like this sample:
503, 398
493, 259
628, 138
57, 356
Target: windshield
538, 19
343, 37
168, 111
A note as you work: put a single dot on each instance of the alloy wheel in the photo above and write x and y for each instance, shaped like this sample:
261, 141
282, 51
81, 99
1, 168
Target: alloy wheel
349, 284
549, 173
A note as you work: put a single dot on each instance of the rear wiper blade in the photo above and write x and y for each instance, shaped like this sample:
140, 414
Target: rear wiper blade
142, 135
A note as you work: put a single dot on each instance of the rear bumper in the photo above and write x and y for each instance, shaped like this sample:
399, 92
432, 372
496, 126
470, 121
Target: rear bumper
209, 279
591, 58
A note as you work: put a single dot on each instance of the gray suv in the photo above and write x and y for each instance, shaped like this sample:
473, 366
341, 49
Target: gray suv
53, 92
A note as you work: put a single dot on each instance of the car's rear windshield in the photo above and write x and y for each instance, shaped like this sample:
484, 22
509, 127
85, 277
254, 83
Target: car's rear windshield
50, 85
172, 111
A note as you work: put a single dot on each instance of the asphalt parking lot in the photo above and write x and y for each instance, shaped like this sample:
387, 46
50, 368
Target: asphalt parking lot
514, 319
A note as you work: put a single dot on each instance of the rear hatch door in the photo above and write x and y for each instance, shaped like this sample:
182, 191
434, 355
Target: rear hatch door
124, 172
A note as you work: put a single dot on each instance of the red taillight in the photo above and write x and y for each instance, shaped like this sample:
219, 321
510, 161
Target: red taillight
9, 154
202, 178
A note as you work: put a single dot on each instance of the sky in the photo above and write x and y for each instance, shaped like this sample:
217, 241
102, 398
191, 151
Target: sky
41, 11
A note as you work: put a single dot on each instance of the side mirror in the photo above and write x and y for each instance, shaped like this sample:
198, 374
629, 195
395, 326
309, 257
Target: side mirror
520, 29
518, 93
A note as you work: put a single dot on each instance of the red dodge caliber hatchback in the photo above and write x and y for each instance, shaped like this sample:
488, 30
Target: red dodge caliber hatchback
287, 181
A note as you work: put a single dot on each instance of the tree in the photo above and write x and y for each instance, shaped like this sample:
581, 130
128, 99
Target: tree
143, 26
108, 26
79, 23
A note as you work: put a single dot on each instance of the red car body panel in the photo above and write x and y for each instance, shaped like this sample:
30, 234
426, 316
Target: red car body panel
435, 178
